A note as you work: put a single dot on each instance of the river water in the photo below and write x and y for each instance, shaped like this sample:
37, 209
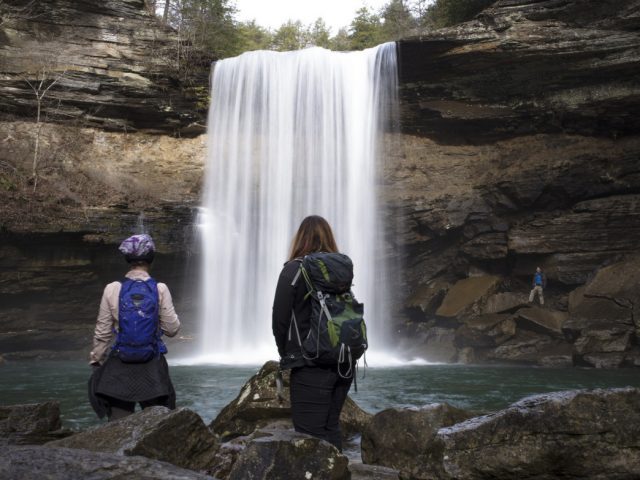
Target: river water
207, 389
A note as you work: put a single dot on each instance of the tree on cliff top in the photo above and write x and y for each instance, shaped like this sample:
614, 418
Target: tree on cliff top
208, 24
365, 30
446, 13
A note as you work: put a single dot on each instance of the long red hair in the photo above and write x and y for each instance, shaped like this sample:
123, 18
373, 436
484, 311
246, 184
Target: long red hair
314, 235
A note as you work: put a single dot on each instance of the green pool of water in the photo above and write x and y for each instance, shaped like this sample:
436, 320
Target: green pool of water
207, 389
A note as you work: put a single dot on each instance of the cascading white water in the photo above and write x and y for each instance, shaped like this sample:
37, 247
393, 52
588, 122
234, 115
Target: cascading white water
290, 134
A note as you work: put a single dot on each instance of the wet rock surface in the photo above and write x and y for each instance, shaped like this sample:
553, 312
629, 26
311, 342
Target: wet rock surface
277, 454
258, 405
177, 436
28, 463
579, 434
405, 439
31, 424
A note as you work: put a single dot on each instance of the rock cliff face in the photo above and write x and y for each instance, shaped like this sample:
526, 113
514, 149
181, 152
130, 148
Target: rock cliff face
518, 147
119, 151
114, 66
521, 149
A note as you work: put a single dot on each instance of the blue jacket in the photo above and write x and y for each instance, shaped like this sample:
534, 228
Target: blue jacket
539, 279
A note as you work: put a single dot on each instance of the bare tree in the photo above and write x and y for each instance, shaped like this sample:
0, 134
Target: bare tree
45, 79
165, 15
151, 6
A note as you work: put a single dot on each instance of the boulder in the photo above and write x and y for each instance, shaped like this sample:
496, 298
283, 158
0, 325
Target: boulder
403, 438
32, 424
541, 319
576, 297
467, 355
258, 404
466, 293
596, 313
504, 302
438, 345
177, 436
606, 340
486, 331
226, 457
426, 298
275, 454
604, 360
603, 315
528, 347
29, 463
618, 282
576, 434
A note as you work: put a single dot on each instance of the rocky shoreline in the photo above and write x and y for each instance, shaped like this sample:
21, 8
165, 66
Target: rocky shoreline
578, 434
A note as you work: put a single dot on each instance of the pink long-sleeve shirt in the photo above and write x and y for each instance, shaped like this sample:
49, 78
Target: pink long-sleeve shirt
107, 320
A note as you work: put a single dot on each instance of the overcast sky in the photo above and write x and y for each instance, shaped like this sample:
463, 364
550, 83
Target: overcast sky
273, 13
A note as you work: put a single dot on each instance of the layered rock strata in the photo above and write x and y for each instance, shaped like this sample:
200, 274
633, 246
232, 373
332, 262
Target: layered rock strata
520, 150
109, 64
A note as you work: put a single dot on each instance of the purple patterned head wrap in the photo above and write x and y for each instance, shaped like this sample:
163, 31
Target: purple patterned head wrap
138, 247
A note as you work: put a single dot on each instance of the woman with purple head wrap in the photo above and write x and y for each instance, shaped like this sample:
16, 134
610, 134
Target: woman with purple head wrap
138, 248
127, 372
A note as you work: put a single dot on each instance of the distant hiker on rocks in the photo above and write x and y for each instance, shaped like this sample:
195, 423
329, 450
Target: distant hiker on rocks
315, 279
539, 284
128, 352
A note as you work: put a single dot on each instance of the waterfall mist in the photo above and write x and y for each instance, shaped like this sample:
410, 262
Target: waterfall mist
290, 134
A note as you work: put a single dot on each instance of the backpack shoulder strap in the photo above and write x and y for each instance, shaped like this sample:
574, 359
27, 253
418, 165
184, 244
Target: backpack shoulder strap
295, 279
125, 284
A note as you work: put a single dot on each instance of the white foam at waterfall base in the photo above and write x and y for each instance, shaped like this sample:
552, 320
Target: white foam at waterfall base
379, 359
290, 134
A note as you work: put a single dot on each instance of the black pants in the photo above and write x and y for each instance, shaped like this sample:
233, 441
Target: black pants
121, 408
317, 397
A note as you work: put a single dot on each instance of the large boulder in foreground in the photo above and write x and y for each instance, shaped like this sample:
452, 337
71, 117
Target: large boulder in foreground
258, 405
177, 436
404, 438
277, 453
33, 462
575, 434
32, 424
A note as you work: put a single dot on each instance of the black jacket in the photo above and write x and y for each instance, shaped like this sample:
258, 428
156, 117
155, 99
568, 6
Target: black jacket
290, 298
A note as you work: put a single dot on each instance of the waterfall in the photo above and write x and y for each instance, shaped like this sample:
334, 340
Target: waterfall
290, 134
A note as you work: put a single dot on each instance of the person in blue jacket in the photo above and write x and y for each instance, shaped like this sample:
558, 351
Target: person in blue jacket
539, 284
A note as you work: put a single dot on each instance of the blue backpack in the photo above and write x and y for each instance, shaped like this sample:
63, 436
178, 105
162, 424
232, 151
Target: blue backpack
138, 336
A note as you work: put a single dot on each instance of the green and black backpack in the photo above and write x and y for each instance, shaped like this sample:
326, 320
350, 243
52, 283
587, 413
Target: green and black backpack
337, 333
